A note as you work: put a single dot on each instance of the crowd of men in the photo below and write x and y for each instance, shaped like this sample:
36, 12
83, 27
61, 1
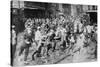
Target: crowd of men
44, 35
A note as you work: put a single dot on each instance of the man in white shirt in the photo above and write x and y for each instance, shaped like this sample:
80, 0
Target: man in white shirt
38, 34
38, 37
